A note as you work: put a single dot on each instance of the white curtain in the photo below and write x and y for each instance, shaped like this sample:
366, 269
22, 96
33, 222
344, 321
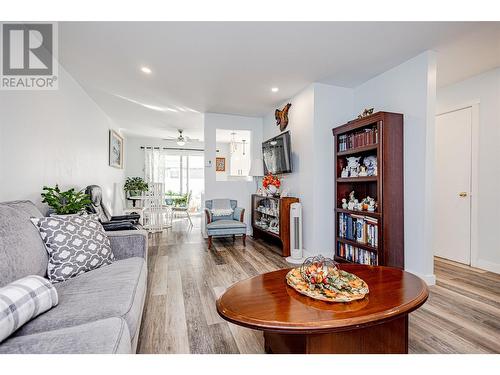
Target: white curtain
154, 164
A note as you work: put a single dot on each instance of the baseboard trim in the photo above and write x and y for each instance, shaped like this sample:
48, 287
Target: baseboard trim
429, 279
487, 266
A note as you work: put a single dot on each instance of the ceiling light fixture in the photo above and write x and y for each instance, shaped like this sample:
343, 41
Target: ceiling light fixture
275, 89
181, 141
233, 145
146, 70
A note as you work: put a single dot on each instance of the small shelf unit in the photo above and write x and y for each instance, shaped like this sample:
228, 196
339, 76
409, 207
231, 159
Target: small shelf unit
278, 211
385, 141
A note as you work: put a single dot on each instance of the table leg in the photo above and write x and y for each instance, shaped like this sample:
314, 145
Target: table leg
386, 338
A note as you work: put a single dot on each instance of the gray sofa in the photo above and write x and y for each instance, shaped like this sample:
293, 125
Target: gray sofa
98, 312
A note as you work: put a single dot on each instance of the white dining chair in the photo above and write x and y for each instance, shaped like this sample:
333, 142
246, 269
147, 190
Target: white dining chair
155, 215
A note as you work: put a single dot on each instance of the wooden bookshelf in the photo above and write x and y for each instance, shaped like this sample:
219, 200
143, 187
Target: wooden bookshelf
386, 143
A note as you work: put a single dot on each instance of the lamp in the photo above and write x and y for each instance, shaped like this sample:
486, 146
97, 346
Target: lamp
257, 170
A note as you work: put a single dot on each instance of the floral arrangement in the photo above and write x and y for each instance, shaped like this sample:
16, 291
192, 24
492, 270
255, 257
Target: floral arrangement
271, 180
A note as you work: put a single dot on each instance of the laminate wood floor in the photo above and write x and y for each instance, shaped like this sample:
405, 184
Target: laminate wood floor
462, 314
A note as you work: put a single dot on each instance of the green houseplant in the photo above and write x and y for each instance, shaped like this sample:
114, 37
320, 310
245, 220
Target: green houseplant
65, 202
135, 186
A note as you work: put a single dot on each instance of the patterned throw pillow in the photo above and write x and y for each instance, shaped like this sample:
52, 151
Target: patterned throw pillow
22, 300
76, 244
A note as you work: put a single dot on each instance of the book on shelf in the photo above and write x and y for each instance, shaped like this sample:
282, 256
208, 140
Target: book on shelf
356, 255
359, 228
360, 138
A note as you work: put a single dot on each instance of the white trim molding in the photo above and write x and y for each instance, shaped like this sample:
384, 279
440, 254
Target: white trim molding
429, 279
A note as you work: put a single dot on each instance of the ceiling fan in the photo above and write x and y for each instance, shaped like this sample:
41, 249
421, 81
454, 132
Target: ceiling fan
181, 140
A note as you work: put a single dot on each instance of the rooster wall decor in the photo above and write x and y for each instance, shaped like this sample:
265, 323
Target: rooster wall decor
282, 117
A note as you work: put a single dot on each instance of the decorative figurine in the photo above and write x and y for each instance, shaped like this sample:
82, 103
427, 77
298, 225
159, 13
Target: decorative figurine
344, 173
353, 165
370, 162
344, 203
357, 206
366, 112
281, 117
371, 204
352, 201
363, 172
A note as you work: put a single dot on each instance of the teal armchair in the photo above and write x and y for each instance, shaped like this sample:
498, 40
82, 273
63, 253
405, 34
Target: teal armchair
228, 225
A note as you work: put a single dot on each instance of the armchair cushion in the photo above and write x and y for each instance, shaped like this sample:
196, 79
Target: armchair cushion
226, 228
226, 224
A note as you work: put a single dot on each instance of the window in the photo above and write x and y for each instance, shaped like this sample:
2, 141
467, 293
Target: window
180, 171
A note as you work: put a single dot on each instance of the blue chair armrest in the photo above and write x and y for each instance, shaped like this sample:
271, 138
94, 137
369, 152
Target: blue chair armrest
239, 214
208, 215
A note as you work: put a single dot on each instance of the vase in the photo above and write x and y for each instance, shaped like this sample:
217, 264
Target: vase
272, 189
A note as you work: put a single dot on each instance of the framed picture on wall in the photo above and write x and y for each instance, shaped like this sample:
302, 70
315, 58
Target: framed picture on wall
115, 150
220, 164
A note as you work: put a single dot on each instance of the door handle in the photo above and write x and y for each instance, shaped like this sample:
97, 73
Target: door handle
463, 194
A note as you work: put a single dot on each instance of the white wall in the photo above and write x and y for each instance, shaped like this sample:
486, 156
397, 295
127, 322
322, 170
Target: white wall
485, 89
223, 152
240, 190
299, 183
410, 89
134, 155
314, 112
332, 107
50, 137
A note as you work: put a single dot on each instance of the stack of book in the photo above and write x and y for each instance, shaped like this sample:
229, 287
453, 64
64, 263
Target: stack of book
359, 228
361, 138
356, 255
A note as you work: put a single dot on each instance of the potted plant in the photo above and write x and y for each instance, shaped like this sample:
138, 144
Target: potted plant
271, 183
134, 186
68, 202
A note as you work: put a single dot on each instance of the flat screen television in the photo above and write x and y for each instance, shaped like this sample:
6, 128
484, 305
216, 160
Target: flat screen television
277, 154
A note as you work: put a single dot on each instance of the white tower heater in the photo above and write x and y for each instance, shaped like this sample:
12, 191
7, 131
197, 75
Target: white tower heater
296, 251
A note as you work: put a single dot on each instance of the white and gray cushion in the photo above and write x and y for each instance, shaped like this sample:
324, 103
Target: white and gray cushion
76, 244
107, 336
221, 207
117, 290
22, 300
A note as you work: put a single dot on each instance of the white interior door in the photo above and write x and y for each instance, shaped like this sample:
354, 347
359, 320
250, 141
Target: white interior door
452, 202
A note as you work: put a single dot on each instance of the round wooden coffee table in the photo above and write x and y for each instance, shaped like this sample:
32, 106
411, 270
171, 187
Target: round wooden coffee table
294, 323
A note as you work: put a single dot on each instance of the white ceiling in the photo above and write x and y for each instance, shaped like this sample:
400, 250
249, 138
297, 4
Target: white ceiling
229, 67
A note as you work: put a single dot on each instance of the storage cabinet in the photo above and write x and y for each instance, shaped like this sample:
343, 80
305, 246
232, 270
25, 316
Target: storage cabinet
271, 220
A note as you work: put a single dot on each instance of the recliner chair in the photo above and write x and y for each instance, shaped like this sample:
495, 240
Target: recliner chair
110, 223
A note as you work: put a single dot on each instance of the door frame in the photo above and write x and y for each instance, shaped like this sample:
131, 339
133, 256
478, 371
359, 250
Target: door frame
474, 188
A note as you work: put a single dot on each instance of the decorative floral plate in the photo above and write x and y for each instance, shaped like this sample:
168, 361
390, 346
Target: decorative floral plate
321, 279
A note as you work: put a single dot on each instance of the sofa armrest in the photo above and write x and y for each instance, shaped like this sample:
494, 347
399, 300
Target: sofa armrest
239, 214
208, 215
129, 243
